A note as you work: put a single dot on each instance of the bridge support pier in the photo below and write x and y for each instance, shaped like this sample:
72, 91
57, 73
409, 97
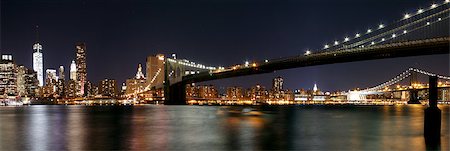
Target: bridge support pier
176, 94
432, 121
413, 97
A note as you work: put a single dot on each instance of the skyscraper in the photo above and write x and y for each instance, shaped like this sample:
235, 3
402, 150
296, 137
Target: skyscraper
107, 87
81, 67
315, 88
38, 64
139, 74
50, 83
71, 89
61, 73
73, 71
277, 84
136, 84
27, 82
8, 76
155, 69
51, 75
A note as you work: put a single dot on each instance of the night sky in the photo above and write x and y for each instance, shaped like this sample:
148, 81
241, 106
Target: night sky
120, 34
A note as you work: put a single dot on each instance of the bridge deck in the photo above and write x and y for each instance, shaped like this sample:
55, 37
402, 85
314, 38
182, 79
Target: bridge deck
392, 50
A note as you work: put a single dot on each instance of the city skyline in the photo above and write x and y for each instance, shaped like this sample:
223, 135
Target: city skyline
224, 75
100, 53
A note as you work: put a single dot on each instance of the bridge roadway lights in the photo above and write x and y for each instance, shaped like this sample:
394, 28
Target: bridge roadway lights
432, 121
413, 97
176, 94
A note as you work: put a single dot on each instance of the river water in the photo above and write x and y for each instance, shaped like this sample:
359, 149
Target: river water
157, 127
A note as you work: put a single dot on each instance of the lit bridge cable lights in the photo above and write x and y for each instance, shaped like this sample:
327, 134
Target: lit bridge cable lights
403, 76
395, 29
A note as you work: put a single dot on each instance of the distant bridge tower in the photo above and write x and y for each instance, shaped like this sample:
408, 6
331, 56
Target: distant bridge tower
413, 92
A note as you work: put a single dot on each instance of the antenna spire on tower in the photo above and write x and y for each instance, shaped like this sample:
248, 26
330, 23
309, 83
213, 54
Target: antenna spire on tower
37, 33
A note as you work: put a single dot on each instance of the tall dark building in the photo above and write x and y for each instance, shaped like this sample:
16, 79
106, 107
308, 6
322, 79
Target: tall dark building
61, 75
155, 70
71, 89
107, 87
27, 82
81, 68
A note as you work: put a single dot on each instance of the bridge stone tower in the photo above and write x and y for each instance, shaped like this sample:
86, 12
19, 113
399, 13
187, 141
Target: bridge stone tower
174, 85
174, 89
413, 93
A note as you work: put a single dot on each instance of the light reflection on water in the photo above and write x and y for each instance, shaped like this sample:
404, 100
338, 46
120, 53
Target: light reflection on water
216, 128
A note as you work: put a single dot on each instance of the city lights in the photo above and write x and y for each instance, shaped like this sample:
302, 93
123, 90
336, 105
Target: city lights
162, 70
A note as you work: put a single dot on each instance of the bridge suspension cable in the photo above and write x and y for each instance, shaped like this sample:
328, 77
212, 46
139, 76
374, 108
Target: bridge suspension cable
410, 22
403, 76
